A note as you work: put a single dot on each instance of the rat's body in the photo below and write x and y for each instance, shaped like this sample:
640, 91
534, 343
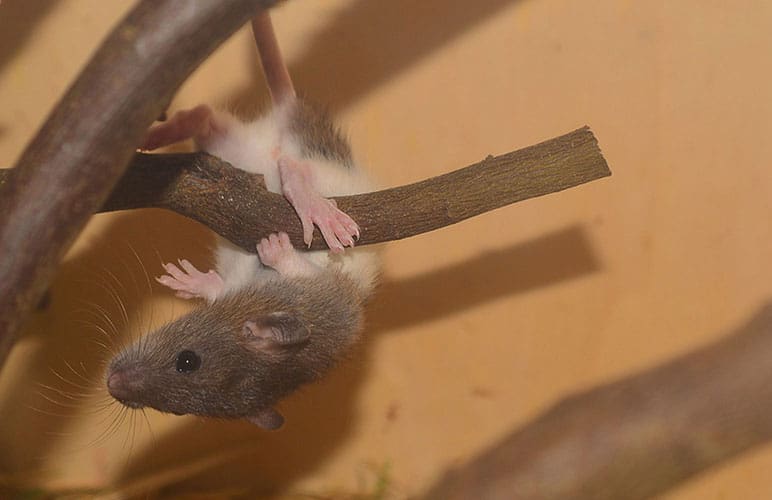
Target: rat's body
272, 321
240, 355
296, 130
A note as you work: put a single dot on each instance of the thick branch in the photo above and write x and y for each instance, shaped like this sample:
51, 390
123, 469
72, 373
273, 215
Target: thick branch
639, 436
73, 163
237, 206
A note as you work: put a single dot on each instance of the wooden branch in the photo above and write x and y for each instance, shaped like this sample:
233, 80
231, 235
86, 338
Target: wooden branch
237, 206
639, 436
77, 157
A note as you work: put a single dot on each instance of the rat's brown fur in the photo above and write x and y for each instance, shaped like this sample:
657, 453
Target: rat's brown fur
235, 378
318, 135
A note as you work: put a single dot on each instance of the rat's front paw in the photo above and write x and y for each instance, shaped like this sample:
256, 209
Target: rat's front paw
191, 283
277, 252
338, 229
274, 249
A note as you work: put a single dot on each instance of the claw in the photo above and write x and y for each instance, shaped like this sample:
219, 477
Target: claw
337, 228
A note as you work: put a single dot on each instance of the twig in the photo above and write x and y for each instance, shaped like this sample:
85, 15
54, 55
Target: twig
237, 205
639, 436
77, 157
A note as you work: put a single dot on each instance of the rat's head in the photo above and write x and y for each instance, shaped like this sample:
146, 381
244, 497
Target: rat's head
234, 358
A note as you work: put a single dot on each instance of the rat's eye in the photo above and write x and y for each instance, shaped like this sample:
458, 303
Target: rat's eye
188, 361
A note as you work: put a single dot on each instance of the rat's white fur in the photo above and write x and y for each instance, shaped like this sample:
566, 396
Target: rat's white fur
254, 147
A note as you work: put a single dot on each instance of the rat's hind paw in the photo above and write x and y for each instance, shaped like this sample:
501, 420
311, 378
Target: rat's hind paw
277, 252
191, 283
337, 228
184, 124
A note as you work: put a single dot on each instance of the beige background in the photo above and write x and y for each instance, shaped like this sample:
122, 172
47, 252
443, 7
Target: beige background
478, 327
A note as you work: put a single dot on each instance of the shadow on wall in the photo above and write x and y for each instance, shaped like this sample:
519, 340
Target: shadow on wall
66, 360
17, 24
370, 42
550, 259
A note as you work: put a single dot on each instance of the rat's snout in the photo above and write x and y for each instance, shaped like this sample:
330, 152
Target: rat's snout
125, 385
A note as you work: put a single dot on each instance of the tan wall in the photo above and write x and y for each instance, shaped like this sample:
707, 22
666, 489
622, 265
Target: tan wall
479, 326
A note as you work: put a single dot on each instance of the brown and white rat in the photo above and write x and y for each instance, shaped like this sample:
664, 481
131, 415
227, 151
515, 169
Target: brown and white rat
274, 321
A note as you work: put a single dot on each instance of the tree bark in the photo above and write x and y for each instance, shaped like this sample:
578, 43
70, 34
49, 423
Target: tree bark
636, 437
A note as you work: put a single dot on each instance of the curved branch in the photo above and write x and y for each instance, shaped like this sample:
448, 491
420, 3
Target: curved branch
237, 206
639, 436
77, 157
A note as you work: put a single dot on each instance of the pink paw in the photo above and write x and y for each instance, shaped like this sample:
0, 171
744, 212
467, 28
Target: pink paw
183, 125
191, 283
337, 228
277, 252
275, 249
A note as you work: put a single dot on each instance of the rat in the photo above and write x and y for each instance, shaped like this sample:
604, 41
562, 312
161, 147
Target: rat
270, 322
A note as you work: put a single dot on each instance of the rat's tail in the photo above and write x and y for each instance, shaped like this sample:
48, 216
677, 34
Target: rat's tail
276, 74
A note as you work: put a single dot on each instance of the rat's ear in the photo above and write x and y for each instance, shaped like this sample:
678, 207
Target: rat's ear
268, 419
275, 330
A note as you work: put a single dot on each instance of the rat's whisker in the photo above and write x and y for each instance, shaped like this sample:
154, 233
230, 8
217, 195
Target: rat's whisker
90, 324
149, 427
48, 413
64, 379
113, 293
58, 403
101, 313
144, 271
117, 283
72, 396
133, 435
105, 348
117, 416
80, 375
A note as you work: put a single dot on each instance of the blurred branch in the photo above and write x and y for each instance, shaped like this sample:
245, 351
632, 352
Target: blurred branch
75, 160
638, 436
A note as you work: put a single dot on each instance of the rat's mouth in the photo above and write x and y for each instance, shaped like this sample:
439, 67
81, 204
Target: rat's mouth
125, 401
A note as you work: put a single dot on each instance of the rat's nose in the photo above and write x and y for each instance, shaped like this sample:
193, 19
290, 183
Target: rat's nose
123, 386
115, 385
